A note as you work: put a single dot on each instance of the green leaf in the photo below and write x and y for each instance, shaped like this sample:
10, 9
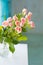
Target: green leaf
15, 41
8, 40
1, 39
24, 30
19, 16
11, 47
28, 26
22, 38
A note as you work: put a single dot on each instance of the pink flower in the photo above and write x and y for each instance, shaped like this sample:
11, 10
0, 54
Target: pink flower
32, 25
28, 17
18, 29
9, 19
23, 21
5, 24
10, 24
15, 18
24, 11
17, 23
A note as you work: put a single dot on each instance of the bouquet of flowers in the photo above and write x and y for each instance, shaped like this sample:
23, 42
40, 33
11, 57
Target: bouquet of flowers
12, 29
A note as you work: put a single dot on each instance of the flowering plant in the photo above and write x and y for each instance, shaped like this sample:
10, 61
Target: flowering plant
12, 29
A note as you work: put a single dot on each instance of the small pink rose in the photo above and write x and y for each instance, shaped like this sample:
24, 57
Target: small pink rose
28, 16
23, 21
32, 25
5, 24
10, 24
15, 18
24, 11
30, 13
18, 29
17, 23
9, 19
21, 24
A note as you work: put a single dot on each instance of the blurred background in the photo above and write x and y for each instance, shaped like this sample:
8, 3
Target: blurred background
35, 44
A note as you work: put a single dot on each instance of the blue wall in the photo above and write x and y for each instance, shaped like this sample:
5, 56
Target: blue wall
4, 9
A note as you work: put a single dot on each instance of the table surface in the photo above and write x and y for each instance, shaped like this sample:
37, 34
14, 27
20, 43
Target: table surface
20, 57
